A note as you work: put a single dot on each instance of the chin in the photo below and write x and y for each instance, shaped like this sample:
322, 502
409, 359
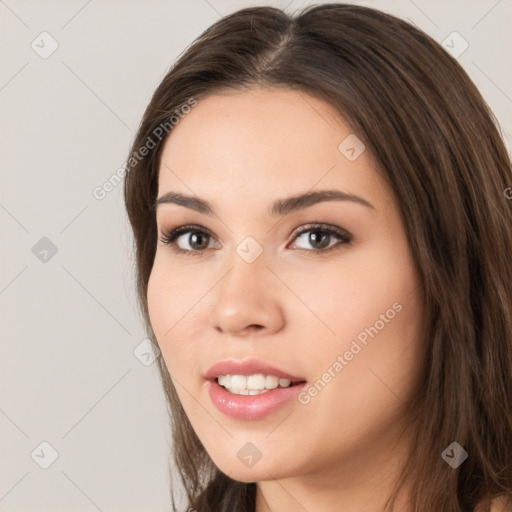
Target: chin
261, 471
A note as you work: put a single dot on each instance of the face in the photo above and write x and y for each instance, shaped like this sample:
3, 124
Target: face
324, 290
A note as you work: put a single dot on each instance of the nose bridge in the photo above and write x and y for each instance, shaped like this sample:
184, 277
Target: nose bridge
248, 267
245, 297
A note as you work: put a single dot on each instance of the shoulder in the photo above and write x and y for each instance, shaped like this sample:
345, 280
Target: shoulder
497, 505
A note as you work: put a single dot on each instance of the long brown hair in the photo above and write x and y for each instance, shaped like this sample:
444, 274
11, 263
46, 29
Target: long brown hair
439, 147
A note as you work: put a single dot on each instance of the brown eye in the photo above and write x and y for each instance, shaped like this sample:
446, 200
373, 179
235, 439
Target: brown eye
319, 237
187, 240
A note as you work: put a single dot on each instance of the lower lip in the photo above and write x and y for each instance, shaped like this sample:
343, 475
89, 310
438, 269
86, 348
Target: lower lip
251, 407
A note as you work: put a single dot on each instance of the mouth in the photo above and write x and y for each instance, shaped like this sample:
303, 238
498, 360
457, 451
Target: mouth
251, 389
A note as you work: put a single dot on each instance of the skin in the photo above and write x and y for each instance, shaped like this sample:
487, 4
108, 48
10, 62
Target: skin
295, 309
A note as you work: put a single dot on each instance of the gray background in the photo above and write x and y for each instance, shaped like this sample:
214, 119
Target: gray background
70, 325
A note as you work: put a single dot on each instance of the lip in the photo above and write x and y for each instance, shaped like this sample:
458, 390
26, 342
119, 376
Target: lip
248, 367
250, 407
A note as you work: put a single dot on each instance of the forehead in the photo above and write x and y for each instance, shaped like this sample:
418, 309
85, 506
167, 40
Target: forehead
270, 117
261, 142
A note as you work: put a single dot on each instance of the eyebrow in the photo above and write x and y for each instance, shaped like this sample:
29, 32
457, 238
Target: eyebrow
280, 207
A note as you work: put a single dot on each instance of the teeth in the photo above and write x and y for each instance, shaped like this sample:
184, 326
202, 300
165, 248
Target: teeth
247, 391
256, 381
271, 382
251, 384
238, 382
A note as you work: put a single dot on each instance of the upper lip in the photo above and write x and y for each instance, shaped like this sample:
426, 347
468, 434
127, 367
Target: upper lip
248, 367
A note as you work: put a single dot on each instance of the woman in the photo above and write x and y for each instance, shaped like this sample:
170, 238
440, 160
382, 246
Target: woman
322, 239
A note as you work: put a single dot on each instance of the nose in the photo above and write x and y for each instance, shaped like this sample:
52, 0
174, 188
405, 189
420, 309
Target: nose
248, 300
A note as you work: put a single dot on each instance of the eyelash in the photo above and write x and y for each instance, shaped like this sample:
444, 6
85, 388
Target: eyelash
169, 237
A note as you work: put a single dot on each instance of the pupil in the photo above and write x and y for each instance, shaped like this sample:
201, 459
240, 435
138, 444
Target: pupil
193, 240
315, 238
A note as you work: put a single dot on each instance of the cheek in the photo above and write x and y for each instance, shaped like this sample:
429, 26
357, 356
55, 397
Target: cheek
384, 311
170, 296
349, 294
363, 394
167, 307
371, 305
158, 297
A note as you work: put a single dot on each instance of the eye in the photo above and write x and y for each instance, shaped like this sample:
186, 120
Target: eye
198, 239
320, 236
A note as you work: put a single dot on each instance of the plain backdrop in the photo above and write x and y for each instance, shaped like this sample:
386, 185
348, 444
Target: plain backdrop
77, 393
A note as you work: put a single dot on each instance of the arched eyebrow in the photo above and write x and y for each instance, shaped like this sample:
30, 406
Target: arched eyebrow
280, 207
